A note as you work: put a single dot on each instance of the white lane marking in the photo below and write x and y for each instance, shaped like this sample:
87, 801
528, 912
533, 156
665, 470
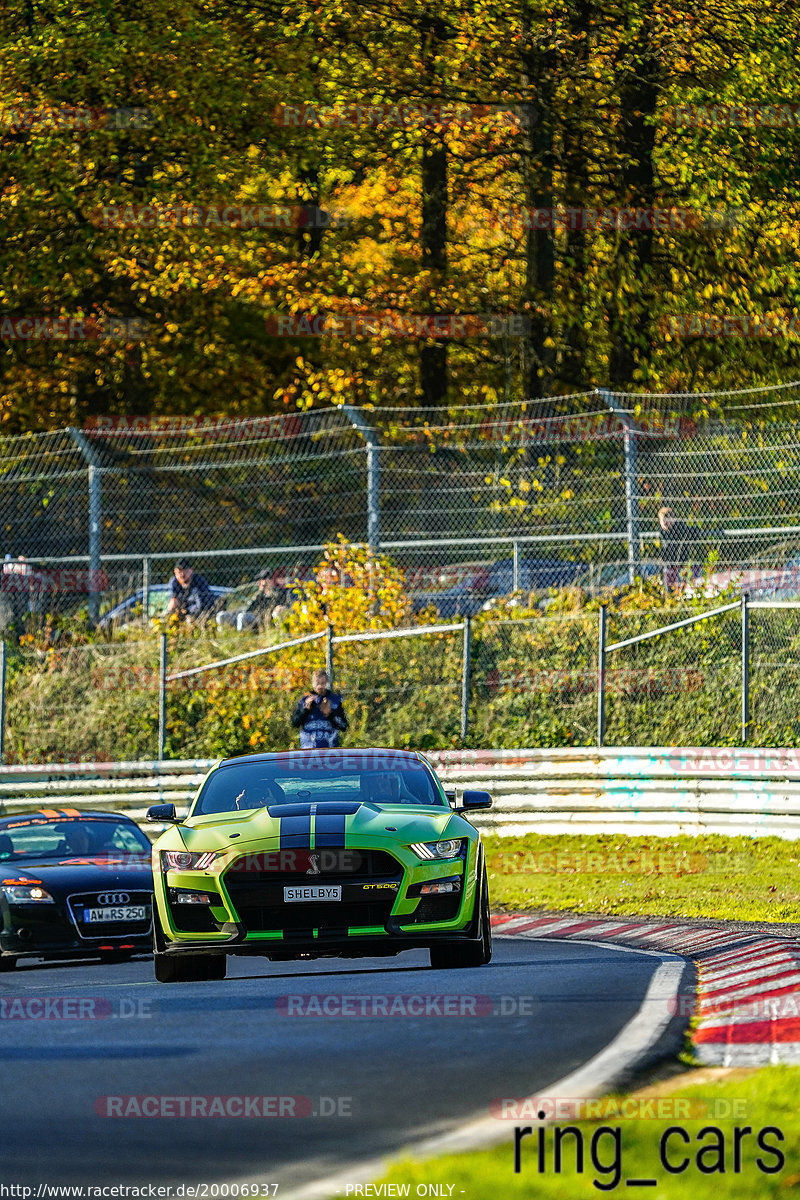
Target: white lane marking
710, 971
539, 927
749, 989
721, 983
594, 1078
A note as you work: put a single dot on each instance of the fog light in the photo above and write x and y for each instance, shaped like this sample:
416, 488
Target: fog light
438, 889
435, 887
189, 897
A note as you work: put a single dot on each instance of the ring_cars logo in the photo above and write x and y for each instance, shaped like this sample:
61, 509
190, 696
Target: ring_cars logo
113, 898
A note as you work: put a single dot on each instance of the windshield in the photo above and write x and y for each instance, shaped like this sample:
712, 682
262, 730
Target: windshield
69, 837
245, 786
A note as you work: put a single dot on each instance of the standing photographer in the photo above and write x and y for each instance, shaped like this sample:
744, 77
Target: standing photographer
319, 715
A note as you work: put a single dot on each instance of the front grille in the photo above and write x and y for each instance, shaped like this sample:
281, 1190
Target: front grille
302, 865
257, 894
78, 905
435, 908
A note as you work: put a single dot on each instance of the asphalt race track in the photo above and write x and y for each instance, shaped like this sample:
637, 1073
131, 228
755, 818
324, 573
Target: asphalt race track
371, 1084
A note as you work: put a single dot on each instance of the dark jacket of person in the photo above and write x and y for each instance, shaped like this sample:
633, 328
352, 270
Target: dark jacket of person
197, 597
676, 544
318, 731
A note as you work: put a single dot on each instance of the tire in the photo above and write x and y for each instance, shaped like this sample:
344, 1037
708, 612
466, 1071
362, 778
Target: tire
115, 956
189, 968
183, 968
7, 962
450, 955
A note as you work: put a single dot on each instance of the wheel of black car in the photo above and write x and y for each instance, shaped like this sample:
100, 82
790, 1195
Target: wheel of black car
115, 956
450, 955
8, 962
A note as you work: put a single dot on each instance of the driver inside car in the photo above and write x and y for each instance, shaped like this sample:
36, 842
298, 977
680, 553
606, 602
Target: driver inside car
76, 838
380, 787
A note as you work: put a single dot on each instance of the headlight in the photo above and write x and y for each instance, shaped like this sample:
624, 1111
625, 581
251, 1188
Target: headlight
27, 893
186, 860
451, 848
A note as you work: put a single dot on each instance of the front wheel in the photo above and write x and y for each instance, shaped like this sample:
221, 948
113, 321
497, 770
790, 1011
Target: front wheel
468, 954
183, 968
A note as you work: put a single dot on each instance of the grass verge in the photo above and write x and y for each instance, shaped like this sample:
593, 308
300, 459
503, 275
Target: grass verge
706, 876
707, 1107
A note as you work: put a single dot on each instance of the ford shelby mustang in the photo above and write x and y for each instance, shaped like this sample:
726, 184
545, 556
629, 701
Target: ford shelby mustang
73, 884
310, 853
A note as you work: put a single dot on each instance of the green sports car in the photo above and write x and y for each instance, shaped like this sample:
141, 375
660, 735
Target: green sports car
351, 853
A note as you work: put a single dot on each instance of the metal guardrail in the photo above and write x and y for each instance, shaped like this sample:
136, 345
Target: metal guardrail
658, 791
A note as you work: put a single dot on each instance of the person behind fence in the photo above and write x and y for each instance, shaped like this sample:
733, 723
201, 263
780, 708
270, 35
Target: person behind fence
319, 715
675, 546
190, 594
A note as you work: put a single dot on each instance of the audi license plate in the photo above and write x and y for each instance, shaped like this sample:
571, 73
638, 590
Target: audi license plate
127, 912
312, 892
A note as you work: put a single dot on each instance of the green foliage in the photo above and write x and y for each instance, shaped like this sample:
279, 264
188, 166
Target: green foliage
533, 675
704, 876
575, 108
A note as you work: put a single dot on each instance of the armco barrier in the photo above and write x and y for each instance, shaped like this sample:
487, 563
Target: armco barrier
615, 790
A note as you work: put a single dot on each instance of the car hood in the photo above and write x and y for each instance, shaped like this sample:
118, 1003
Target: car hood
76, 873
332, 823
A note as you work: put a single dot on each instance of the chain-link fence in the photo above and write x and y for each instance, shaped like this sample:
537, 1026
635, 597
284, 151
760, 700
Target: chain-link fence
721, 676
472, 503
679, 688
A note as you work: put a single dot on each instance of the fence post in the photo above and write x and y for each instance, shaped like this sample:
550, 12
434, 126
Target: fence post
2, 702
465, 677
745, 666
145, 590
515, 569
362, 426
162, 695
95, 520
601, 679
329, 655
631, 482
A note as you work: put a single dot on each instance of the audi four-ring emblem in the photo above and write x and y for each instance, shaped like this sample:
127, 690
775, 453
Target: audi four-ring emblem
114, 898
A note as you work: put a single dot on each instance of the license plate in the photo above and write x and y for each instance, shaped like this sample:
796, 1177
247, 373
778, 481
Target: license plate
129, 912
315, 892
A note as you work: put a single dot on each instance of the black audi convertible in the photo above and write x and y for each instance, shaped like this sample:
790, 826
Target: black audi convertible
73, 885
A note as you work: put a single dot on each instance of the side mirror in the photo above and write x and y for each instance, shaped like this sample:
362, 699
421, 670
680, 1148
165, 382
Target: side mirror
471, 800
162, 812
450, 794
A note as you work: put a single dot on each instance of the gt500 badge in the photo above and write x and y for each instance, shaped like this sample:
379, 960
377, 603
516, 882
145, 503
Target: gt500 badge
372, 887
